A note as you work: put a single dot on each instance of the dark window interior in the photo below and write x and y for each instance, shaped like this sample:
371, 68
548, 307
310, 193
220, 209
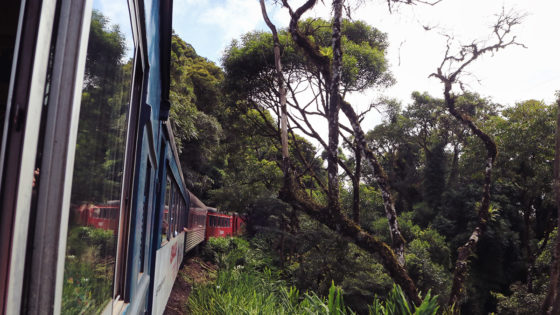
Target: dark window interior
8, 30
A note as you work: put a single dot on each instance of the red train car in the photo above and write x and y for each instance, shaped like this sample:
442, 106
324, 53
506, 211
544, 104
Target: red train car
238, 224
104, 216
196, 223
222, 225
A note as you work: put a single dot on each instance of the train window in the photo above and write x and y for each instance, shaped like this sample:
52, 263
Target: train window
180, 216
174, 221
144, 220
171, 210
99, 159
164, 223
174, 212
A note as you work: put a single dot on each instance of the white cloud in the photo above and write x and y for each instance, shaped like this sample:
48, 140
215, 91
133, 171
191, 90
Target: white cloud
233, 17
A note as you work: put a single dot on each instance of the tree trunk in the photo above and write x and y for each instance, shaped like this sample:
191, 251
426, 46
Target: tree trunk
333, 108
466, 251
551, 303
381, 180
356, 186
323, 64
281, 90
340, 224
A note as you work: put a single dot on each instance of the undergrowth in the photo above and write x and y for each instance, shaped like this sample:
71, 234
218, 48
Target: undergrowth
248, 283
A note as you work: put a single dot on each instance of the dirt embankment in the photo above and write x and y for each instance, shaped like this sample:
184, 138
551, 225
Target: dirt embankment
194, 272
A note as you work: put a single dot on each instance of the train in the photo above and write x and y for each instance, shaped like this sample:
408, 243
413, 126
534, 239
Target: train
207, 221
95, 215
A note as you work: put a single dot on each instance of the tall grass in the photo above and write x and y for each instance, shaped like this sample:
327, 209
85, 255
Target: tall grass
244, 286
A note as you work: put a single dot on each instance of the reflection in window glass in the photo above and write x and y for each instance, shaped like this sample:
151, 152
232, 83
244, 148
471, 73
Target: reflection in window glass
165, 220
144, 219
172, 212
98, 168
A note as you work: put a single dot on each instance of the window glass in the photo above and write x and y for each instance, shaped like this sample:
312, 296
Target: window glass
99, 157
165, 220
181, 214
144, 219
7, 45
174, 212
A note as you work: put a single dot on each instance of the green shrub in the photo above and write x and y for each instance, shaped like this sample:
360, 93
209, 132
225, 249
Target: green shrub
397, 304
246, 285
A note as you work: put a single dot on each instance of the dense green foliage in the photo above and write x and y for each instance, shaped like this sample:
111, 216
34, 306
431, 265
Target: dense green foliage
97, 176
104, 104
435, 167
87, 284
245, 285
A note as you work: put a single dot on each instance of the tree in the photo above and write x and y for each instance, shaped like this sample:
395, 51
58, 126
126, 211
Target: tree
333, 217
197, 115
454, 66
105, 96
551, 303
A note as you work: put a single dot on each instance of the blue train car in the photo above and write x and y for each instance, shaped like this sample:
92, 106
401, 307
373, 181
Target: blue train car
94, 209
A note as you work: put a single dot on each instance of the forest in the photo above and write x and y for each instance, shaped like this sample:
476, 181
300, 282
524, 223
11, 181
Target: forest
450, 201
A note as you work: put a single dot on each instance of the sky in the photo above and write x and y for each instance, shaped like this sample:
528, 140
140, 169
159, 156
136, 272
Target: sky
510, 76
113, 11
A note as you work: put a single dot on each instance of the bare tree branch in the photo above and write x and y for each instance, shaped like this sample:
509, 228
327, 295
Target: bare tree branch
456, 64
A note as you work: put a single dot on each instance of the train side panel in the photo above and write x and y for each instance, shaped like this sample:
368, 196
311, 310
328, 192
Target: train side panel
170, 233
196, 226
168, 261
